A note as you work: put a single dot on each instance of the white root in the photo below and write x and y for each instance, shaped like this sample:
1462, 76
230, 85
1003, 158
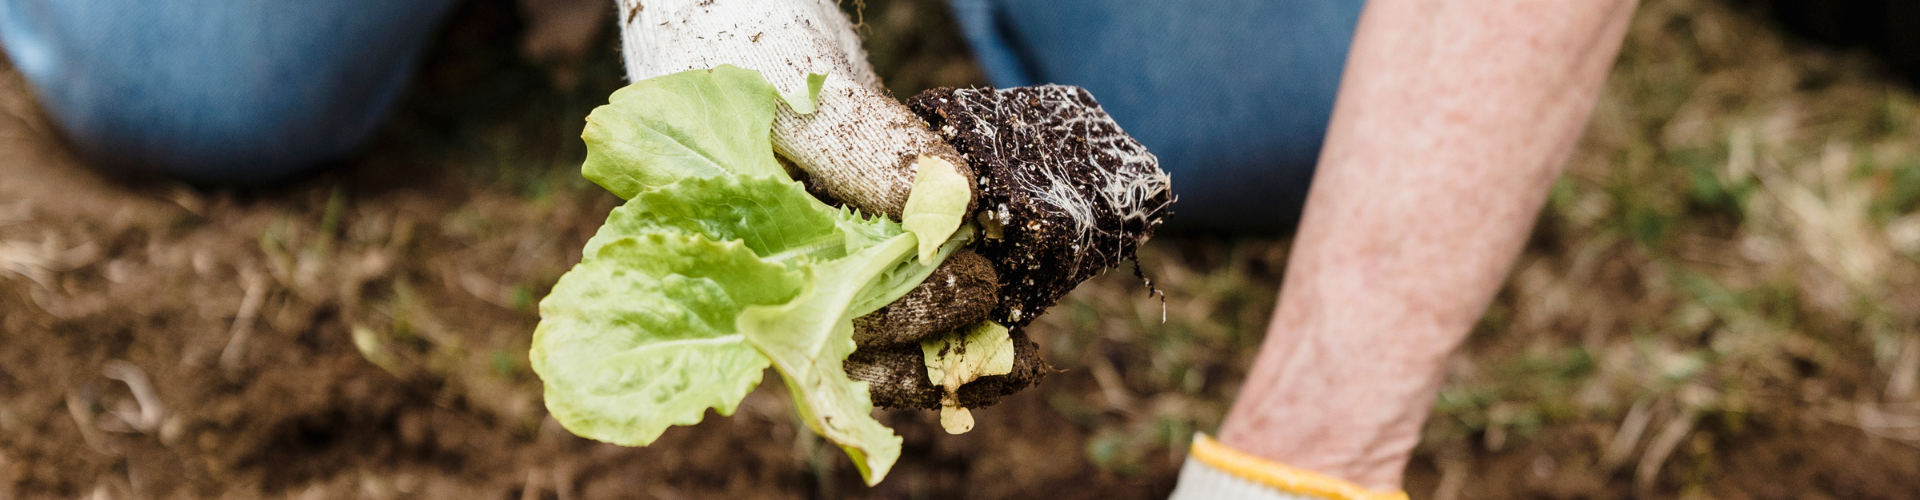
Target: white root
1123, 192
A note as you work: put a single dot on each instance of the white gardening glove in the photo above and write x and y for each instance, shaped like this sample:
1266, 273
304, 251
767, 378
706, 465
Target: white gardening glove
1215, 472
860, 146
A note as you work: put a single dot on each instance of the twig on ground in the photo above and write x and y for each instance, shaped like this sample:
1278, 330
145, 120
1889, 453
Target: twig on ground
1628, 436
1662, 447
230, 358
1111, 386
151, 412
1896, 422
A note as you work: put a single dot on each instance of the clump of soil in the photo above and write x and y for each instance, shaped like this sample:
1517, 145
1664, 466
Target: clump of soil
1064, 193
897, 375
961, 292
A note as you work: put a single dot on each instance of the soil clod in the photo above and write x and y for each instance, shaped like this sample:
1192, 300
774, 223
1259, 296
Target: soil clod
1071, 193
897, 375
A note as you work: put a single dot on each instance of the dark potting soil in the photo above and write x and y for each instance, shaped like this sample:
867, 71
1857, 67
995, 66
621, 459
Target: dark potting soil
1065, 194
897, 375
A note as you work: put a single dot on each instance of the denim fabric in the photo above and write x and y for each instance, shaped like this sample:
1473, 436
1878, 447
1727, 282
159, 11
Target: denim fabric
216, 91
1232, 95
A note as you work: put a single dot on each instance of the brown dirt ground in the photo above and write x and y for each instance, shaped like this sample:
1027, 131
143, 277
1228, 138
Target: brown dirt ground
361, 333
237, 310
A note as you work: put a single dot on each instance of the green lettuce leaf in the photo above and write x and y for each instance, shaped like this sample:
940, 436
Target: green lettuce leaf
936, 204
803, 103
810, 337
701, 123
641, 334
718, 266
903, 277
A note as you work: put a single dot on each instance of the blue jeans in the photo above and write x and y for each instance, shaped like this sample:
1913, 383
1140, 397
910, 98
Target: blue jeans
216, 91
1232, 95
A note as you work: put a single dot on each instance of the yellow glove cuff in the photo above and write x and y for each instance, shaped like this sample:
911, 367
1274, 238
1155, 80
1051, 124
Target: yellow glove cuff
1215, 471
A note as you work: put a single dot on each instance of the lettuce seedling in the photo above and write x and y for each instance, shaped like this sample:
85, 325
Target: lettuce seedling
720, 265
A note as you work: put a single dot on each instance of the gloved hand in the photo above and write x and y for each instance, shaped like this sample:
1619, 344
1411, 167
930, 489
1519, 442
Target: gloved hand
860, 147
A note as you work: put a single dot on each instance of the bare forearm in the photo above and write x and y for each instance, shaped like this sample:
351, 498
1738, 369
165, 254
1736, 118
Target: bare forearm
1453, 120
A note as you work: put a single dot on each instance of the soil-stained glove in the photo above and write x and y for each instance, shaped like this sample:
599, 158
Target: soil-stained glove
860, 147
1215, 472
